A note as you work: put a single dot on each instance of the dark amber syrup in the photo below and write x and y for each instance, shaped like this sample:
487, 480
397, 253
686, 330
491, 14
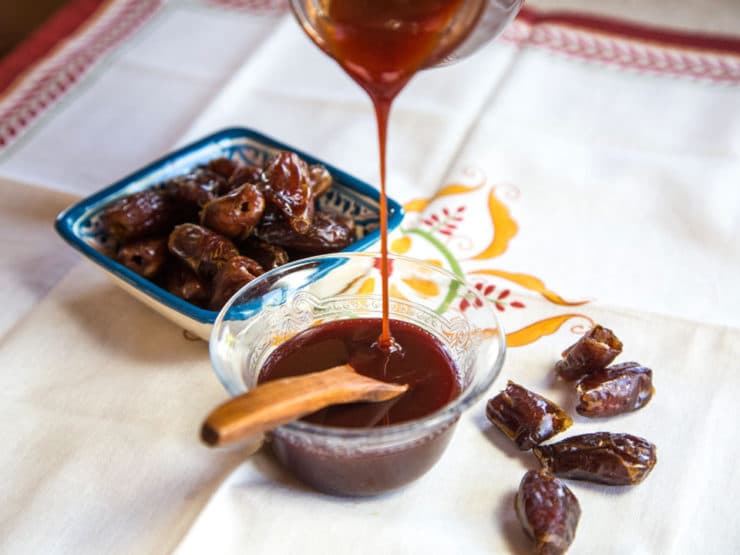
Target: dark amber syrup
423, 364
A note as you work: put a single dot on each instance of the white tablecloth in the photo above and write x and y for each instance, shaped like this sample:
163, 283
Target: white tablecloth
613, 183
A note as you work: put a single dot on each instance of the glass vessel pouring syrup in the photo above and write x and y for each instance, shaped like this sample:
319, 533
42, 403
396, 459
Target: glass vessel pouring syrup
381, 44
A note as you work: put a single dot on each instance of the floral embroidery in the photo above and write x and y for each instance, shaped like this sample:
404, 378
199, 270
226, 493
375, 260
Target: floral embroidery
498, 298
437, 230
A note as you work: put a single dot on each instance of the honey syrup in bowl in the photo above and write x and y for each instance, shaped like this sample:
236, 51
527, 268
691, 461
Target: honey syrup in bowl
422, 364
314, 315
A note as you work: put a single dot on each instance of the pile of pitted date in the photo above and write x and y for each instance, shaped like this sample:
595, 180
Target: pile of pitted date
205, 234
547, 509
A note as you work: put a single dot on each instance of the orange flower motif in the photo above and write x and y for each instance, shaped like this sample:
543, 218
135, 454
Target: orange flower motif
441, 228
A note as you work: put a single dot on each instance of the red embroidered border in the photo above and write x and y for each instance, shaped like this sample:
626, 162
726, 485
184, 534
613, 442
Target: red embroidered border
634, 31
636, 47
54, 66
44, 85
62, 24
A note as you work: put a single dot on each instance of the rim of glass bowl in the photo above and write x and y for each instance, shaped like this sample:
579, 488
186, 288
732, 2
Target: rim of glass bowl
453, 409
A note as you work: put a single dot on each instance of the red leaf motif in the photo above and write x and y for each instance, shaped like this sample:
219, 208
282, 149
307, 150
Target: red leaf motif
479, 286
517, 304
504, 294
434, 217
489, 289
464, 304
445, 211
499, 307
378, 265
445, 232
461, 209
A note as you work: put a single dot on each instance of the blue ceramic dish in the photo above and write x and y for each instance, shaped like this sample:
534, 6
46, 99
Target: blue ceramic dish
80, 226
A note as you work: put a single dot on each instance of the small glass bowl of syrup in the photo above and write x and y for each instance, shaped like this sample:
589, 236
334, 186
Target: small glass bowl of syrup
310, 315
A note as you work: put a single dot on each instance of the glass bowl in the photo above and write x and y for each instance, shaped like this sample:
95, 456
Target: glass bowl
305, 293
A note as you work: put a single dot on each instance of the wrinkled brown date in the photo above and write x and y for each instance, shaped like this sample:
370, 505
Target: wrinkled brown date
526, 417
146, 257
548, 512
140, 215
319, 179
231, 201
232, 276
225, 167
195, 189
287, 188
235, 214
614, 390
269, 256
594, 351
181, 281
328, 233
602, 457
246, 174
201, 249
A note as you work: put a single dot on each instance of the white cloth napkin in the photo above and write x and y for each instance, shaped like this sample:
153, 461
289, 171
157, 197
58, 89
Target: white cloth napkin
34, 261
593, 184
101, 405
137, 101
465, 503
621, 177
616, 187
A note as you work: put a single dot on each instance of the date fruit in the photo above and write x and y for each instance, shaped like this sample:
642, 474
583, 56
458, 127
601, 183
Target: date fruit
201, 249
548, 512
140, 215
232, 276
287, 188
614, 390
269, 256
319, 179
235, 214
225, 167
526, 417
594, 351
196, 188
327, 233
183, 282
243, 175
146, 257
602, 457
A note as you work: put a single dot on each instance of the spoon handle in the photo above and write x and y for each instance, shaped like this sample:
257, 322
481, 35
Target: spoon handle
278, 402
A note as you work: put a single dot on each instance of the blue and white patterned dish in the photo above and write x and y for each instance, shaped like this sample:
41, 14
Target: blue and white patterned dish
79, 225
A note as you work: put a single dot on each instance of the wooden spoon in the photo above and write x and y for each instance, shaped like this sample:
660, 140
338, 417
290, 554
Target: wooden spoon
278, 402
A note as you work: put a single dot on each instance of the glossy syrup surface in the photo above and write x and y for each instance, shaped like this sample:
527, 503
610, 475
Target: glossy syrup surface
422, 363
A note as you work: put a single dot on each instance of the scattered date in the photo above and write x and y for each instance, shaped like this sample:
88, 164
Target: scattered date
614, 390
602, 457
548, 512
594, 351
526, 417
547, 509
